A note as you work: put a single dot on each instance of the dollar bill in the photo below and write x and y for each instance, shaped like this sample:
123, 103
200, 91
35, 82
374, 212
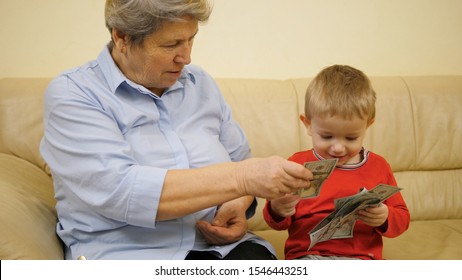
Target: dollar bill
321, 171
384, 191
333, 227
340, 223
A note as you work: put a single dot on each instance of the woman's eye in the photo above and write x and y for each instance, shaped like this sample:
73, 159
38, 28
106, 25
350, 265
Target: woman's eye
171, 45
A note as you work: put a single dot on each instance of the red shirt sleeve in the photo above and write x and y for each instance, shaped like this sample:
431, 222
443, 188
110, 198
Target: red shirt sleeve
274, 221
398, 213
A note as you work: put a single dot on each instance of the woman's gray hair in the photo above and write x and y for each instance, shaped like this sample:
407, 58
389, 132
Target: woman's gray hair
140, 18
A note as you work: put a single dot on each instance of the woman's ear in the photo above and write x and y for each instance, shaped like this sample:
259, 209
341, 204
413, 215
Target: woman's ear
307, 123
120, 40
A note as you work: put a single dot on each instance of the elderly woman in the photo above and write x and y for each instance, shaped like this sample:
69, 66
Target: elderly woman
146, 158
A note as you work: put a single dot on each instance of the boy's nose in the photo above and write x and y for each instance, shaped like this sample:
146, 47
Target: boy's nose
338, 148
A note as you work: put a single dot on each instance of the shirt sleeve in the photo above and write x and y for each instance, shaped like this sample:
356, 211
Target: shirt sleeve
398, 214
91, 163
250, 212
232, 136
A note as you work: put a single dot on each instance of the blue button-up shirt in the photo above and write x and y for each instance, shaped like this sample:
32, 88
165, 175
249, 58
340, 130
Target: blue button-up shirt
109, 143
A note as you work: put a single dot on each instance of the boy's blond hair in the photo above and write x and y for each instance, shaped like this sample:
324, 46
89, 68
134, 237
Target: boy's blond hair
343, 91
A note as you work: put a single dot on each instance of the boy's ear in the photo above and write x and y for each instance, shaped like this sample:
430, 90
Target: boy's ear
370, 122
307, 122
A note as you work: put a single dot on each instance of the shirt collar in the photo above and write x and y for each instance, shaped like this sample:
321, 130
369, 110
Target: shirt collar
115, 77
186, 75
111, 72
364, 156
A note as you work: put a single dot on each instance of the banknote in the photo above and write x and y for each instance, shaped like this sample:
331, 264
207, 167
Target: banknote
321, 171
340, 223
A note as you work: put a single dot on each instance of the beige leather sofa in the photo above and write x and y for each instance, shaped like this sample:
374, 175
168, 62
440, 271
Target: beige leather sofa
418, 129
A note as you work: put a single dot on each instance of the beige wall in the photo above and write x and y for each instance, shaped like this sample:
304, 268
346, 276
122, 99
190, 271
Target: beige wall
253, 38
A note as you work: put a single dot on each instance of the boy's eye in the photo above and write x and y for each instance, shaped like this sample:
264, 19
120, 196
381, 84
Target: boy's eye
326, 137
351, 138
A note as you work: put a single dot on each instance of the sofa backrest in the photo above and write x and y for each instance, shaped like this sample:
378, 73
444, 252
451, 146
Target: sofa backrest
267, 110
418, 129
21, 123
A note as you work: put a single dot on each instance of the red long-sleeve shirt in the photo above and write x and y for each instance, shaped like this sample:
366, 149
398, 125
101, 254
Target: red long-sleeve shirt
347, 180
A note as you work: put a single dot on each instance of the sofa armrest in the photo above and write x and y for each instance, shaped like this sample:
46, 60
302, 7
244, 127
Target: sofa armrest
27, 216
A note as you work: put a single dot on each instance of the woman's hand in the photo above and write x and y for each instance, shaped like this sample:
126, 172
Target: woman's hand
229, 224
271, 177
190, 190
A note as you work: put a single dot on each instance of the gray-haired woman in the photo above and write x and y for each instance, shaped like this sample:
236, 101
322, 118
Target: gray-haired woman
146, 158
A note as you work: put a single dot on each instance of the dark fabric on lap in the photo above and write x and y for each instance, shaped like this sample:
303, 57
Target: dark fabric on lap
245, 251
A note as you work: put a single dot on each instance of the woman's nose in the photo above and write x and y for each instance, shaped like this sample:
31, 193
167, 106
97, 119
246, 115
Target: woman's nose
184, 56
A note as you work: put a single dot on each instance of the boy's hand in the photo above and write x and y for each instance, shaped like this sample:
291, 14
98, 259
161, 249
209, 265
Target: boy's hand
285, 206
374, 216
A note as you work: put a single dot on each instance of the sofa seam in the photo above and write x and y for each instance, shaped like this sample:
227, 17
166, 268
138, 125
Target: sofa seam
414, 119
297, 106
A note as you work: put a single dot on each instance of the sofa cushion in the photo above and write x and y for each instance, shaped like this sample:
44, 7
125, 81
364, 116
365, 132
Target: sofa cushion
426, 240
437, 118
267, 111
432, 194
21, 118
27, 218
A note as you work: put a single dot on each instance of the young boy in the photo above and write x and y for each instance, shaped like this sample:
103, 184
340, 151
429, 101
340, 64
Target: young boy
339, 107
